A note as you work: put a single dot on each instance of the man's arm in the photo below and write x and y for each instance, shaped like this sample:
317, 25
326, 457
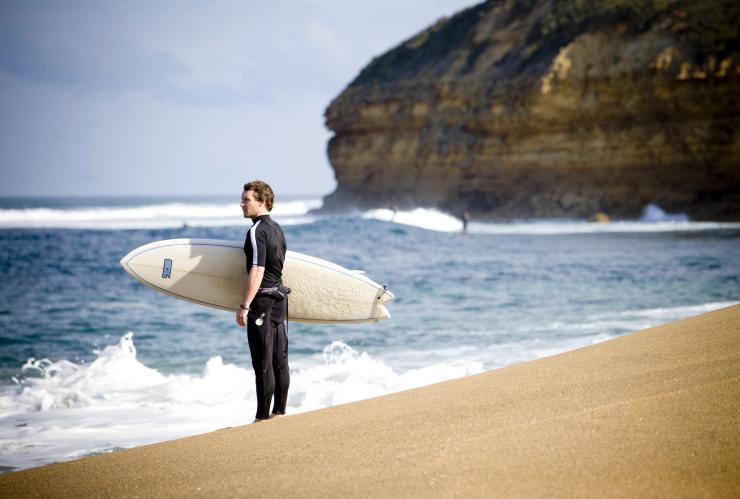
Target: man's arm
254, 279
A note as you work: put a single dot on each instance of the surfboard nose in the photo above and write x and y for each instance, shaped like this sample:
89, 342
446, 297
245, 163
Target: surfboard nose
126, 260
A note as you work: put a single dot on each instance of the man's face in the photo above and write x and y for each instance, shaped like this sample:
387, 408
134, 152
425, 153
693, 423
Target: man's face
250, 205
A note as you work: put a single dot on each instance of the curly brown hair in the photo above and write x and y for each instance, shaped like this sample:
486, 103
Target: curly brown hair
262, 192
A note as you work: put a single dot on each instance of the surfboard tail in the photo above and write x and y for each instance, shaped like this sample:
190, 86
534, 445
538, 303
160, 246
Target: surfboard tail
383, 313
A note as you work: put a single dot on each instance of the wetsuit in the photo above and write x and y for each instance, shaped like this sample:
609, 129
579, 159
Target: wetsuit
268, 340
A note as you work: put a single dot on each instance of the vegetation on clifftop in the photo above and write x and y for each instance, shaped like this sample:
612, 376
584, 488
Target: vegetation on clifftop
706, 28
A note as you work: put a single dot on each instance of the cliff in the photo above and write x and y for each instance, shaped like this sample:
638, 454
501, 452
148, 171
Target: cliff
534, 108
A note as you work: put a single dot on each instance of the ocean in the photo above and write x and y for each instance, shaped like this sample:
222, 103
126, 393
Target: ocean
92, 361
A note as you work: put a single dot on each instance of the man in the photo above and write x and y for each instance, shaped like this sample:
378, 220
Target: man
264, 305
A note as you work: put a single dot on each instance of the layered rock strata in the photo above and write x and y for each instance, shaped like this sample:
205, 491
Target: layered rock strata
520, 109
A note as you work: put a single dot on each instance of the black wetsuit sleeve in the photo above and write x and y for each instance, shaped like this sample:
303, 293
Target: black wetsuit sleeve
260, 248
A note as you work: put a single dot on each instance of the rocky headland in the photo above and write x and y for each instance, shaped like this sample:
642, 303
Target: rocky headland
535, 108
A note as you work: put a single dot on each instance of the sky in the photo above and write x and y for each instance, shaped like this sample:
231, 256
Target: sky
183, 97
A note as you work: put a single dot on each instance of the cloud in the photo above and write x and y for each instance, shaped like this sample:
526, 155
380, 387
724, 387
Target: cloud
70, 46
95, 95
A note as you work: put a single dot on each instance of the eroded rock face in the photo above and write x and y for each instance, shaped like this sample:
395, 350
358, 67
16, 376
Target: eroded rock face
525, 109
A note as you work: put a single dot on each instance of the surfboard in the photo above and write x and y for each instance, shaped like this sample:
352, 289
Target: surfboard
213, 273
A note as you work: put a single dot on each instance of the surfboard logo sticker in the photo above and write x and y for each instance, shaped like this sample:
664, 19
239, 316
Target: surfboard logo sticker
167, 269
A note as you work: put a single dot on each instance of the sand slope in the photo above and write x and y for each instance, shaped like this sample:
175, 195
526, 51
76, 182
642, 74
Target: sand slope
654, 412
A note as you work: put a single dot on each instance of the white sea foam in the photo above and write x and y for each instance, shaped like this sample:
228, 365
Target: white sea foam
653, 219
345, 375
654, 213
674, 313
62, 410
153, 216
420, 217
579, 227
615, 323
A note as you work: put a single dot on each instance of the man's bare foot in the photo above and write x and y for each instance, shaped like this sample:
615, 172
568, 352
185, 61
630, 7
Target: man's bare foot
258, 420
273, 415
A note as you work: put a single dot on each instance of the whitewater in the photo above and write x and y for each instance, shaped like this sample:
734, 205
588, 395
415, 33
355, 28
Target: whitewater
91, 361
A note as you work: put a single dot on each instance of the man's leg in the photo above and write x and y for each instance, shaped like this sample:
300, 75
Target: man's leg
280, 357
261, 342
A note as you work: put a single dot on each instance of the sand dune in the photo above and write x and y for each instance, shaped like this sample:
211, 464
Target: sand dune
655, 412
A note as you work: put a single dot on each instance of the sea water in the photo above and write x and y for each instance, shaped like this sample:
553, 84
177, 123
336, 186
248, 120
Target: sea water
92, 361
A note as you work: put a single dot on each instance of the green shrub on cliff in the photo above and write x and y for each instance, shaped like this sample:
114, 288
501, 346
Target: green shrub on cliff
706, 28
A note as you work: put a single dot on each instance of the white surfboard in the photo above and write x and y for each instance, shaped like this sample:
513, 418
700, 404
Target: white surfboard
213, 273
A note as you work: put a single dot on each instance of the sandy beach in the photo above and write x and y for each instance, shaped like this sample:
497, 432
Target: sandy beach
652, 413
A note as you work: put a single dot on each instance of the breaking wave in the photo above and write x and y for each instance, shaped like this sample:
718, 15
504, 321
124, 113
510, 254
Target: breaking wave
151, 216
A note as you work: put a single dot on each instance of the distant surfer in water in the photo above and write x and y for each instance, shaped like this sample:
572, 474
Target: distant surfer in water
465, 217
264, 307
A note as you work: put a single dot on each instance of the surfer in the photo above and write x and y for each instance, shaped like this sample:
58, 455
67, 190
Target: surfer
264, 307
465, 217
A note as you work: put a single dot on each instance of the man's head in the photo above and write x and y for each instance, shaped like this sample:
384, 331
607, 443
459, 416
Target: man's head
257, 199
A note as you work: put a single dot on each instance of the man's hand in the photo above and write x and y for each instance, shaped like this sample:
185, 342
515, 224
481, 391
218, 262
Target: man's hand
253, 284
241, 317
